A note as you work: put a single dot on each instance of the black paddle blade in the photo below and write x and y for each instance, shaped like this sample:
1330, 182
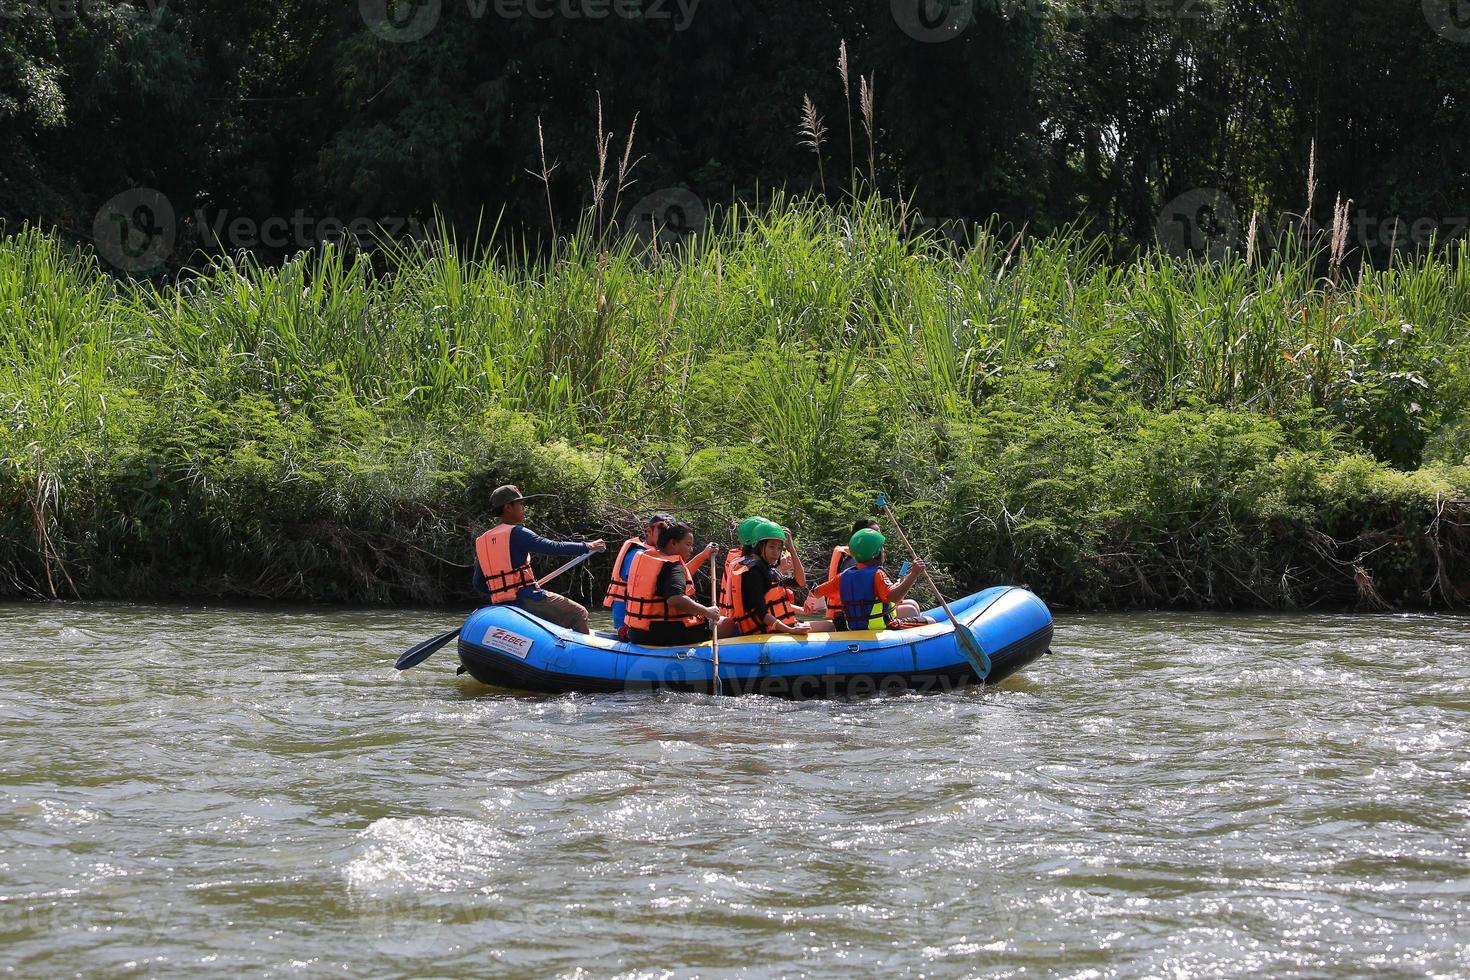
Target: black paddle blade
417, 655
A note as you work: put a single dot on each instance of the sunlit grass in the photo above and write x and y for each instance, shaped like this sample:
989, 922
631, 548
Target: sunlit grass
605, 340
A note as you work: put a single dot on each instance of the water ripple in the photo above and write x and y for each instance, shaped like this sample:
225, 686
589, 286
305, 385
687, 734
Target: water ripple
1165, 795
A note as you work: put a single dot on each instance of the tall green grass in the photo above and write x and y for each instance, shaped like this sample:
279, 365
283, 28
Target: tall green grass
822, 350
600, 339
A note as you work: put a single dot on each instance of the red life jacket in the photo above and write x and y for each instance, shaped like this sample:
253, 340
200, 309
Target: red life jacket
645, 606
778, 603
617, 589
492, 550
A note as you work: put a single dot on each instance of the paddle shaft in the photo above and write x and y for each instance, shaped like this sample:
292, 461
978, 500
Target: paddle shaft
714, 633
914, 556
423, 651
569, 565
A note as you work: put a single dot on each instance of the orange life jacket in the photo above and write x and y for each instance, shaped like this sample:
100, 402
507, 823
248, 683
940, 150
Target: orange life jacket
733, 559
778, 603
645, 606
834, 567
505, 582
617, 589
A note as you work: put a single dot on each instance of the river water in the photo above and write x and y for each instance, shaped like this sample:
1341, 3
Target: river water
258, 791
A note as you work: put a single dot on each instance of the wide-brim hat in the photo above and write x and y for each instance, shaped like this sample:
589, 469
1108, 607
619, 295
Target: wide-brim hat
508, 494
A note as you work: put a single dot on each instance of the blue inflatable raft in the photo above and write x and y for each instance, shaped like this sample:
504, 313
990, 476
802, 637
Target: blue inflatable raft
504, 646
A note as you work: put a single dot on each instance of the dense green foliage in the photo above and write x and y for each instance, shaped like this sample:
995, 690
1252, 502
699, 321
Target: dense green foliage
1041, 111
1165, 432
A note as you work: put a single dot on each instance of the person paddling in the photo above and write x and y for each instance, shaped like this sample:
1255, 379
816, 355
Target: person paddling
661, 609
842, 558
503, 563
863, 597
761, 602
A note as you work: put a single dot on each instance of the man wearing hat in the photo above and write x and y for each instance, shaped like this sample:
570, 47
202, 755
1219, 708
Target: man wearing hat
503, 563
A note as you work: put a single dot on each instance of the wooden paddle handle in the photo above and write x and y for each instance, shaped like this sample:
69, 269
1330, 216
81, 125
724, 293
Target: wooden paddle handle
714, 631
915, 556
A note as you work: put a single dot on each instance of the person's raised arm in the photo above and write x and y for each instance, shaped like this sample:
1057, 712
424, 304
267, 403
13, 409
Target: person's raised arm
899, 592
697, 562
537, 545
798, 571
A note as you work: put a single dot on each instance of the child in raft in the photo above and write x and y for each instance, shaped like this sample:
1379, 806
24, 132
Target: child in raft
863, 597
759, 599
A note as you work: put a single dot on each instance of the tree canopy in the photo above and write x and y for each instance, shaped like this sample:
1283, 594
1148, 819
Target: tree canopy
1045, 112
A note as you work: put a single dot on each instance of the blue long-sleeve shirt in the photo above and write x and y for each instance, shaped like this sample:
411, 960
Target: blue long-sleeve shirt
524, 543
620, 608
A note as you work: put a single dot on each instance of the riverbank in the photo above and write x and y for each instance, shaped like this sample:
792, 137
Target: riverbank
1263, 434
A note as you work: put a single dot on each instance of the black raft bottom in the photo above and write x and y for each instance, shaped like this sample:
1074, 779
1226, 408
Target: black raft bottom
500, 670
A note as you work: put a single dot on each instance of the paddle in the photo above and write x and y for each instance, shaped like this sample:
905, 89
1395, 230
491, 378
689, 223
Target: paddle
714, 633
567, 567
968, 644
416, 655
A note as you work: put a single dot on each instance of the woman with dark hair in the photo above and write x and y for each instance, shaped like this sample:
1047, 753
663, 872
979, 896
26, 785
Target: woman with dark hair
661, 610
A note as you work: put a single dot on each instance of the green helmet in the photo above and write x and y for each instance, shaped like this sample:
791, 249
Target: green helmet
866, 545
766, 530
748, 527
